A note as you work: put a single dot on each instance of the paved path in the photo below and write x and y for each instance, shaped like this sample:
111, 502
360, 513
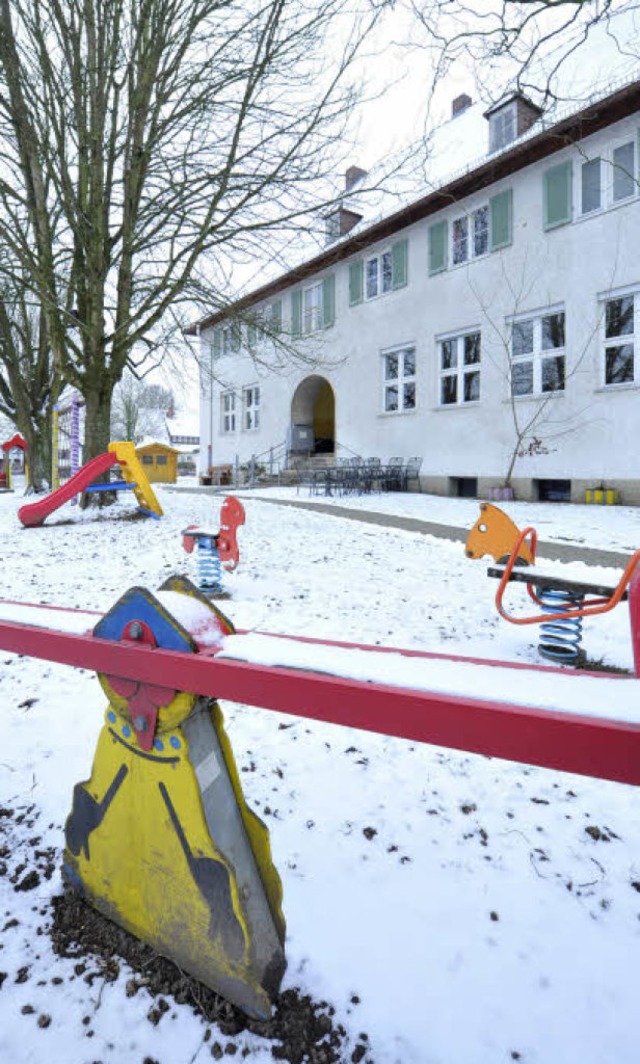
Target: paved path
569, 552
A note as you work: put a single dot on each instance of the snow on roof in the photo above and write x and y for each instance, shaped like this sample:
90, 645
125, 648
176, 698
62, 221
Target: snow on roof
149, 442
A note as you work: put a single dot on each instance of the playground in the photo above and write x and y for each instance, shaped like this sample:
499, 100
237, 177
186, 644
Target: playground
448, 908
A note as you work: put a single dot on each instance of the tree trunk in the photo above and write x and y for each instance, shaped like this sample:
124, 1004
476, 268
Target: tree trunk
97, 430
38, 440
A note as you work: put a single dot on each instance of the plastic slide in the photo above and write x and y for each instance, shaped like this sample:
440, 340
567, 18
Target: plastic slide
34, 513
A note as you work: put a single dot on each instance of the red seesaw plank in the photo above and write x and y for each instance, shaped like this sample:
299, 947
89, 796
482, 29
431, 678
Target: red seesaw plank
588, 745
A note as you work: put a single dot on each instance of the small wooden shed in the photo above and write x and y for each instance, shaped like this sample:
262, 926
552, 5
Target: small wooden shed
160, 461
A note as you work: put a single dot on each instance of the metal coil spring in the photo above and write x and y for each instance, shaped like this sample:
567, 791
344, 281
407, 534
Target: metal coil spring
209, 565
560, 640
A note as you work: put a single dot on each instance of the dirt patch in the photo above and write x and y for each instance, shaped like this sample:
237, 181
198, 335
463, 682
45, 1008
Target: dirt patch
301, 1030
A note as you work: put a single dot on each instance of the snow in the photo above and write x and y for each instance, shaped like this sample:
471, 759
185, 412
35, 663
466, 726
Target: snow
453, 907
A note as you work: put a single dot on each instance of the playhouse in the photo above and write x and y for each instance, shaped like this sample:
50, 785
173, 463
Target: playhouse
160, 461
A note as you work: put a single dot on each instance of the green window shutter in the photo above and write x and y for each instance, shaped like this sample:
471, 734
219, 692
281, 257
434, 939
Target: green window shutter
252, 334
399, 264
276, 316
356, 274
296, 313
501, 219
217, 343
437, 247
236, 336
557, 195
328, 301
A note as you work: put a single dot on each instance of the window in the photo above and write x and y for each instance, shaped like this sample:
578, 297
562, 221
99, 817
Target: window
591, 185
502, 127
399, 380
147, 459
264, 323
619, 331
251, 404
379, 274
470, 235
313, 308
624, 174
228, 405
161, 459
460, 238
459, 358
473, 234
226, 339
537, 355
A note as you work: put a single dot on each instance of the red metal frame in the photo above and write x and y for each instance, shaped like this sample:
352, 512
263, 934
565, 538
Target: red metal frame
591, 746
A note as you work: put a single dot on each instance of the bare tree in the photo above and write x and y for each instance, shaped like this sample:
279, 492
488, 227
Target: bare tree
139, 409
146, 143
522, 44
536, 424
29, 384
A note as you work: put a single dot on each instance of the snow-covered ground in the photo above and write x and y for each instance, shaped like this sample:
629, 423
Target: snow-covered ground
457, 909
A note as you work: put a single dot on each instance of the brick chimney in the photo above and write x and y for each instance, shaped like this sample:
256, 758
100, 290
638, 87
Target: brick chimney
460, 104
353, 176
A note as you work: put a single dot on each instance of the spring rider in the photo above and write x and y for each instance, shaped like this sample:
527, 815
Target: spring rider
216, 550
564, 602
160, 838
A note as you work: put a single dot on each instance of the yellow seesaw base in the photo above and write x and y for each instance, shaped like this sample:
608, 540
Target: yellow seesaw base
164, 844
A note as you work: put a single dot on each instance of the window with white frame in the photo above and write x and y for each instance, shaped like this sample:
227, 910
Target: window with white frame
619, 342
470, 235
537, 354
228, 412
312, 308
399, 380
459, 361
230, 338
251, 408
502, 127
378, 275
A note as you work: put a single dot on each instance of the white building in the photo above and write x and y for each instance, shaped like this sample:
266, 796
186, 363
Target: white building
496, 315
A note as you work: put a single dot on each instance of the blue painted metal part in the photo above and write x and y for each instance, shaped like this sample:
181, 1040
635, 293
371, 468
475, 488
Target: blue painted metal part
138, 604
111, 485
209, 564
560, 639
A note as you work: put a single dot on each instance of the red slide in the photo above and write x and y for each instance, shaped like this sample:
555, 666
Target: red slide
34, 513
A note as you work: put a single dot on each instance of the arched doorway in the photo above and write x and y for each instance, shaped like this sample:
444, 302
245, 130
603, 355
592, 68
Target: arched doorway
313, 416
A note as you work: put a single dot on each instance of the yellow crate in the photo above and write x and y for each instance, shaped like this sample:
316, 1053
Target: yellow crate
602, 496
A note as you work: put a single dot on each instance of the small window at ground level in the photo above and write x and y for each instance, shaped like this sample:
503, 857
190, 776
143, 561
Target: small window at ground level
553, 490
464, 487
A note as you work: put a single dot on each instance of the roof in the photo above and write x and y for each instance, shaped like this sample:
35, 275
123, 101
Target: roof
539, 142
147, 444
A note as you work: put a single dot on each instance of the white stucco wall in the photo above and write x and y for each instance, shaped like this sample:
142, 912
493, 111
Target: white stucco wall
591, 432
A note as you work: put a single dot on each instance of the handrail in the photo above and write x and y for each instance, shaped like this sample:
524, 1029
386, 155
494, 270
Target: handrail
591, 606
